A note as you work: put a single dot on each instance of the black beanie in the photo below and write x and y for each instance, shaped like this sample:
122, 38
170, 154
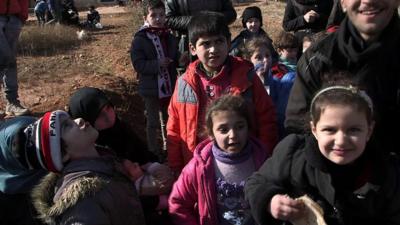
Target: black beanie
251, 12
87, 103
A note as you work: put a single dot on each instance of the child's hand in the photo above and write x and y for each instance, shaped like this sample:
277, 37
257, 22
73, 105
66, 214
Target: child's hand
165, 62
311, 16
282, 207
133, 169
163, 175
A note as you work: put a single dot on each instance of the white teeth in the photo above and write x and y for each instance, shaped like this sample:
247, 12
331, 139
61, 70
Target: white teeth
369, 12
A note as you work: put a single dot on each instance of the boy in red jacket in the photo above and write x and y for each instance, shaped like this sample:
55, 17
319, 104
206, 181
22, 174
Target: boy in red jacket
213, 74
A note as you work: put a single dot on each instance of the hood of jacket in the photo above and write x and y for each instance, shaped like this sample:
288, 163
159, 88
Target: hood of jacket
80, 179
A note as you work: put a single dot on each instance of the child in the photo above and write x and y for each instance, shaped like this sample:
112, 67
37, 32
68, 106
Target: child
287, 46
352, 180
40, 11
210, 188
311, 39
212, 75
16, 181
277, 80
252, 22
93, 18
83, 187
93, 106
154, 55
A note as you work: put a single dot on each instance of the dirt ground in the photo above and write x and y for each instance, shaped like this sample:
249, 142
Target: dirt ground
103, 61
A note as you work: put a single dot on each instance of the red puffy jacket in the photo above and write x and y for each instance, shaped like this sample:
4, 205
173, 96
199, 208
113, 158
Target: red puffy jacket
15, 7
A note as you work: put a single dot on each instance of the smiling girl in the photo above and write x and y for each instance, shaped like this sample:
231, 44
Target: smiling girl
210, 187
352, 180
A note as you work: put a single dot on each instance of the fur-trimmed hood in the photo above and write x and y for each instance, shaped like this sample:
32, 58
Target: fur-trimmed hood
50, 203
90, 191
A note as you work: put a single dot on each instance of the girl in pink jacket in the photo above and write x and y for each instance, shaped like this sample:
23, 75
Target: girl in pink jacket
210, 188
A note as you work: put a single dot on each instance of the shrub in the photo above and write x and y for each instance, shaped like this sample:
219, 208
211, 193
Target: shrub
47, 40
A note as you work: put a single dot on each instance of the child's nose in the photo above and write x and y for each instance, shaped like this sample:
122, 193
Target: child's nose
340, 138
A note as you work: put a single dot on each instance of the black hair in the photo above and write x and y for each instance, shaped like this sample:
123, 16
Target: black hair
233, 103
343, 96
208, 24
151, 4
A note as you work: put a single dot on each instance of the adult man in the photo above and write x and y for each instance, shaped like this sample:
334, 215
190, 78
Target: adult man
13, 13
367, 44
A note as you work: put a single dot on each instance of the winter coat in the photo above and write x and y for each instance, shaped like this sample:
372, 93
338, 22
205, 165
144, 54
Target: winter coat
179, 12
196, 185
374, 68
15, 7
183, 111
365, 192
295, 10
15, 178
279, 91
89, 191
145, 61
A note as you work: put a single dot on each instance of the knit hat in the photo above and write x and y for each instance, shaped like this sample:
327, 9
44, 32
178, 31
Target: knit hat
43, 142
251, 12
87, 103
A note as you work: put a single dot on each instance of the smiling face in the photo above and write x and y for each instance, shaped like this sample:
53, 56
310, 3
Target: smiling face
342, 133
370, 17
155, 17
253, 25
211, 51
230, 131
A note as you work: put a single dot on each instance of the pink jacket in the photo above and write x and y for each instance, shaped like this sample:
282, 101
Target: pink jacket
185, 105
15, 7
193, 198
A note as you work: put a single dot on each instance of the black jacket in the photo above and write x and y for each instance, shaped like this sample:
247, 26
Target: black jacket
373, 67
295, 10
366, 192
179, 12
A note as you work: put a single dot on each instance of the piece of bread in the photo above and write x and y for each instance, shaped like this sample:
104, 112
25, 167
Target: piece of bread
314, 215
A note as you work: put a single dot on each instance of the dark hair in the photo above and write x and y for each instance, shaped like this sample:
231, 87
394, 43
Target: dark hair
92, 7
208, 24
341, 95
286, 40
151, 4
233, 103
315, 37
253, 44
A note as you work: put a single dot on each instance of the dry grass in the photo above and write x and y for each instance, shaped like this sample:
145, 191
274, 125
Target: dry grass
48, 40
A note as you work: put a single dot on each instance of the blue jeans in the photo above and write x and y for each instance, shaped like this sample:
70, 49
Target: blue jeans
10, 28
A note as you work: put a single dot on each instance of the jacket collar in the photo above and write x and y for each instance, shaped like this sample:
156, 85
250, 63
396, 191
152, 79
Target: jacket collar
237, 67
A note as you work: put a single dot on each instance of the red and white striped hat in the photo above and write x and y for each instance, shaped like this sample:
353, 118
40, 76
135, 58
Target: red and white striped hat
43, 146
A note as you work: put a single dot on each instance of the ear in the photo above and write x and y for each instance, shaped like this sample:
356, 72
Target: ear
343, 4
313, 129
370, 130
192, 49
